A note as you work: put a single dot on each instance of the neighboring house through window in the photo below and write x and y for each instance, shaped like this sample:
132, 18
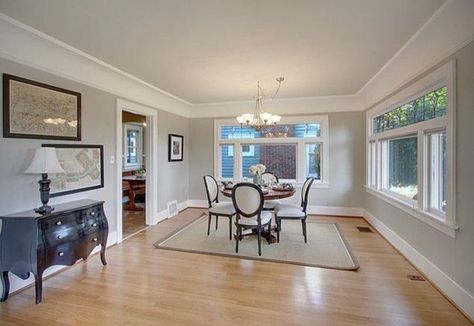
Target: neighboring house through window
293, 150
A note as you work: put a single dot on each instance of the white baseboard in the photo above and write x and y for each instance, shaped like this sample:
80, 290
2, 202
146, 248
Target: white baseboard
16, 283
463, 299
335, 210
163, 215
197, 203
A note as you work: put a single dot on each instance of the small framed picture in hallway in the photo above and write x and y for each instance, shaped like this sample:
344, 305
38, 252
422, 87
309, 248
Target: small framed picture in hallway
175, 148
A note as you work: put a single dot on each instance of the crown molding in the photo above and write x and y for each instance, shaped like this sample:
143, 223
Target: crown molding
282, 106
447, 31
24, 44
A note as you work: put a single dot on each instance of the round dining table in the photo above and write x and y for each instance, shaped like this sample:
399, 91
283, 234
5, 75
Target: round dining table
268, 194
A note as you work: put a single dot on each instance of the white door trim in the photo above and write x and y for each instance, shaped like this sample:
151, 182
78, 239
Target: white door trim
151, 134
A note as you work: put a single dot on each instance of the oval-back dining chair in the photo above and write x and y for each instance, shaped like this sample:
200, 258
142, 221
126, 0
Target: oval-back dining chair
248, 202
293, 212
216, 208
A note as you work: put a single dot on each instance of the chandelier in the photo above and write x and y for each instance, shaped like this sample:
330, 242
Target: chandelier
260, 120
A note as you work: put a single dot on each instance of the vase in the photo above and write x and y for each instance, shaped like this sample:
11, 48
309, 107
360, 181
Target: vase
257, 179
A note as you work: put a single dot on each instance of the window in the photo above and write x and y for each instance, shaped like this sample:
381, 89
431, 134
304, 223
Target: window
227, 159
426, 107
410, 148
293, 150
133, 145
313, 160
401, 157
437, 172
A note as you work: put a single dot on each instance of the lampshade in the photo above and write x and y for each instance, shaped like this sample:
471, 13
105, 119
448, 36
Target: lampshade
45, 161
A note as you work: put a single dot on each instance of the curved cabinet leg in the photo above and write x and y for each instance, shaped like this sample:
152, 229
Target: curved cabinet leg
5, 286
102, 254
39, 287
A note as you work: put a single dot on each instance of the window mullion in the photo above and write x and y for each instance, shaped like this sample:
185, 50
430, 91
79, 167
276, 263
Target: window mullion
238, 161
301, 163
421, 170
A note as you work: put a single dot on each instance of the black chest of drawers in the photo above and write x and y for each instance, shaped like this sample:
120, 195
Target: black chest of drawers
30, 243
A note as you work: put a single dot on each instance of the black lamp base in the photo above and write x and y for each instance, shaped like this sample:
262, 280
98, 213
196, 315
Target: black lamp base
44, 210
44, 194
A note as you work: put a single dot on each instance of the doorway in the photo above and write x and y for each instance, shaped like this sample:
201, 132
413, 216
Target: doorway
133, 173
136, 149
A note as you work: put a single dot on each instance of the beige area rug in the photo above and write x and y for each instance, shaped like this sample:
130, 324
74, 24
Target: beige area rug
326, 245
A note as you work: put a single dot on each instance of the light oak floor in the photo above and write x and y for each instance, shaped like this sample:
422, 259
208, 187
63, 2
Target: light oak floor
133, 221
142, 285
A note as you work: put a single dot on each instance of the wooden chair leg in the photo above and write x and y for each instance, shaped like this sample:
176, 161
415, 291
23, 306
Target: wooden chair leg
217, 221
259, 235
230, 228
237, 239
209, 224
303, 222
278, 222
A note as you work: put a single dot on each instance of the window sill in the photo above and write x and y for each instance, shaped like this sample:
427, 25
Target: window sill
426, 217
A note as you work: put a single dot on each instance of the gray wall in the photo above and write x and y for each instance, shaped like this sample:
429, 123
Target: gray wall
20, 191
346, 160
455, 257
173, 177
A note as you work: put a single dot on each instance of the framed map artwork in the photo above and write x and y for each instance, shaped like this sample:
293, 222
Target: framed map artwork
83, 166
36, 110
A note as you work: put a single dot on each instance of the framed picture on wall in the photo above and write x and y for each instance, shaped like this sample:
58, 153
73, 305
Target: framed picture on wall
175, 148
83, 166
36, 110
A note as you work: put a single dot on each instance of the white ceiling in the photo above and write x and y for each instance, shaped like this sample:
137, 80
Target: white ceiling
215, 51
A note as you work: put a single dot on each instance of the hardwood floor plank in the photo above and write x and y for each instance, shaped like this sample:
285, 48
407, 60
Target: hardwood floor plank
142, 285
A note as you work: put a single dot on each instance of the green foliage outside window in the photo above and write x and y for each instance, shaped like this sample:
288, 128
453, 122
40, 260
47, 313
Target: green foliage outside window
426, 107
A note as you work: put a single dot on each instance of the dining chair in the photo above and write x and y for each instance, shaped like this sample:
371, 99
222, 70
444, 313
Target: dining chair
294, 212
248, 202
216, 208
270, 178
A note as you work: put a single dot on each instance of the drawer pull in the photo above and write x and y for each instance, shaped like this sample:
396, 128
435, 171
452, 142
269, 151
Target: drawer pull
58, 223
60, 237
94, 224
95, 239
92, 213
61, 253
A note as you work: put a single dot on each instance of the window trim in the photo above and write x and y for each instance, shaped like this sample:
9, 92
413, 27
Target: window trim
443, 76
300, 149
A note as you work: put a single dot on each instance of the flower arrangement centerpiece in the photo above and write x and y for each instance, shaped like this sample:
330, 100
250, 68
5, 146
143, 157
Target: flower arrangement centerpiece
140, 173
256, 171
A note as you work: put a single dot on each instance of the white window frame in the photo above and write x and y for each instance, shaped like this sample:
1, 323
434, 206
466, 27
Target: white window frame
301, 161
420, 209
126, 128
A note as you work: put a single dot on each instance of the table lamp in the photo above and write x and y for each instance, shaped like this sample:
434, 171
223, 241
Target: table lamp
45, 161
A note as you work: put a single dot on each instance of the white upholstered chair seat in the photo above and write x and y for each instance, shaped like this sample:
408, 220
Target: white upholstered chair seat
265, 217
224, 208
271, 204
289, 211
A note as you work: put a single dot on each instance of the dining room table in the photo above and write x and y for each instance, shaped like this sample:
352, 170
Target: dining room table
134, 182
269, 193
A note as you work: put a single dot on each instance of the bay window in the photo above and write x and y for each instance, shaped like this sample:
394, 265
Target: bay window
410, 150
293, 150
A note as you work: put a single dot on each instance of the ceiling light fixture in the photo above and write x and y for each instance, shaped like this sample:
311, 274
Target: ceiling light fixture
260, 120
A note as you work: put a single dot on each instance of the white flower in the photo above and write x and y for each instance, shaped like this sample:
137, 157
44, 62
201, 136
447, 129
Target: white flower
253, 170
257, 169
